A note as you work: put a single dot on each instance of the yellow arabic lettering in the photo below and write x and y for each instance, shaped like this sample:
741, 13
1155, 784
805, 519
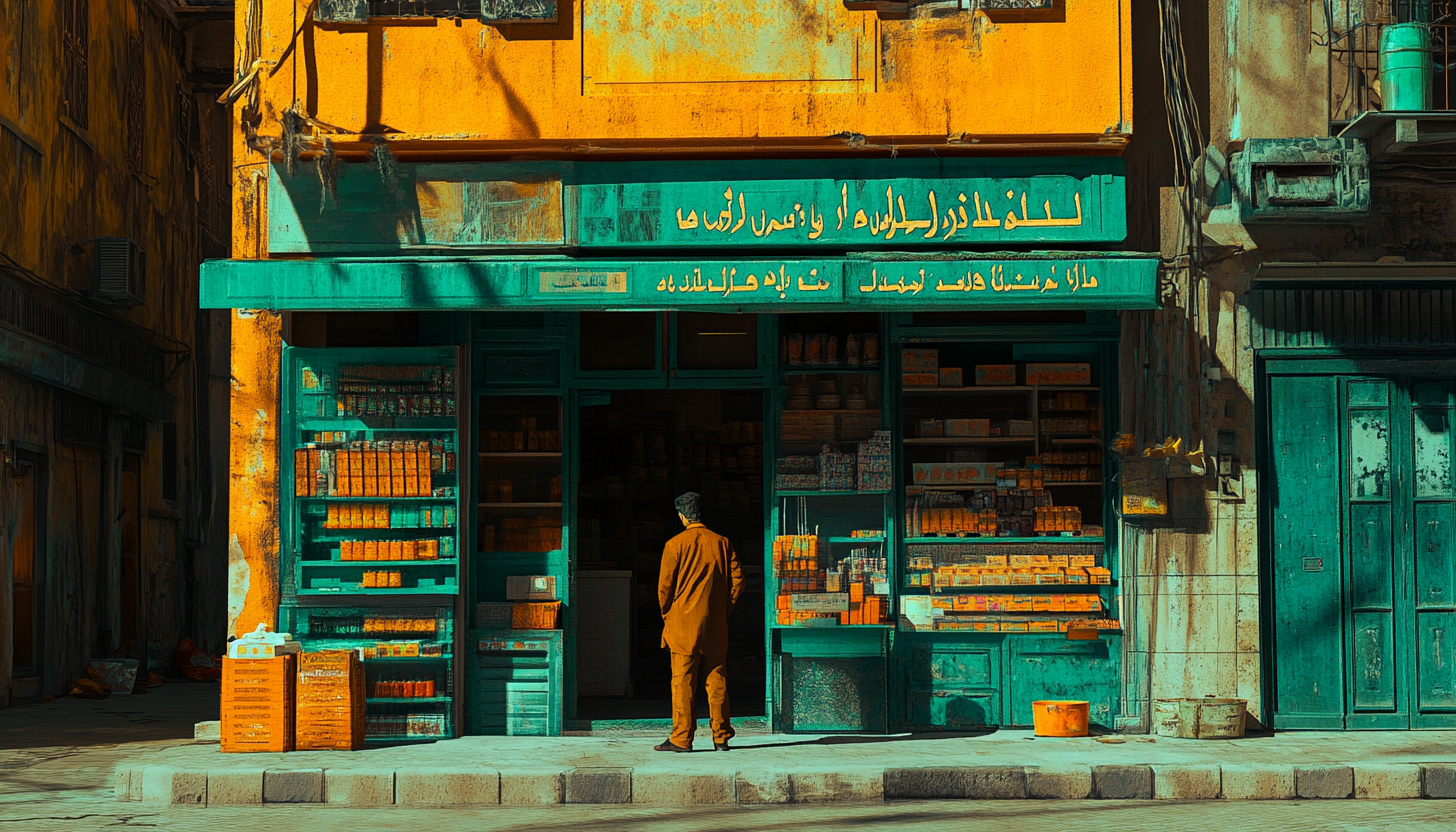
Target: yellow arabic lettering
874, 278
978, 283
984, 219
860, 220
843, 209
816, 286
689, 223
759, 230
934, 218
662, 284
725, 217
712, 288
942, 286
752, 284
743, 214
816, 222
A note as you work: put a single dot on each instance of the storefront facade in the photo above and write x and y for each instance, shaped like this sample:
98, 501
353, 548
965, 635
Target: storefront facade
911, 449
891, 365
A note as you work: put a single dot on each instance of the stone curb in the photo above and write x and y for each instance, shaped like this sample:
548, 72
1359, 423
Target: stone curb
668, 786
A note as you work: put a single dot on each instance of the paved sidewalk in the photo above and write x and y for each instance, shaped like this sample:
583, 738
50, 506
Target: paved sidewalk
777, 769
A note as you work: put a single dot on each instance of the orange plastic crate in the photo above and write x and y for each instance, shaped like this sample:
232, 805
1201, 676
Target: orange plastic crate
257, 704
330, 701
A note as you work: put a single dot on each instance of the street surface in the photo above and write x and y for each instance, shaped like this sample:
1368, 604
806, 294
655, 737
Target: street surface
56, 761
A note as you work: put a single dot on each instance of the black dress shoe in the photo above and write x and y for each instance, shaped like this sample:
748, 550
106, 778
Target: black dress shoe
667, 745
720, 746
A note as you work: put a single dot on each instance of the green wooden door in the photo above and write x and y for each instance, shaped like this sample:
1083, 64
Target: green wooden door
1363, 556
1433, 536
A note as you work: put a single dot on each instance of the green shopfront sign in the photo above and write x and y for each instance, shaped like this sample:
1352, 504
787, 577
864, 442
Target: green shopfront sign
748, 284
767, 204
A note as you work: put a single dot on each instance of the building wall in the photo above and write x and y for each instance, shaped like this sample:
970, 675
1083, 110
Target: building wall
69, 180
668, 74
1197, 600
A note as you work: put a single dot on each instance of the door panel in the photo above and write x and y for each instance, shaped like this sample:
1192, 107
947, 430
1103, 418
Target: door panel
1436, 660
1433, 538
1371, 566
1433, 523
1305, 535
1375, 668
1374, 641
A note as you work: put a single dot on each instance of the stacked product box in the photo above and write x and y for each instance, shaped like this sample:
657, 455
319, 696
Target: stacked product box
836, 471
796, 473
873, 460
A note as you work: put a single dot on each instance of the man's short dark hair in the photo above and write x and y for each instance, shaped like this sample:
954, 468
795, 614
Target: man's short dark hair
687, 506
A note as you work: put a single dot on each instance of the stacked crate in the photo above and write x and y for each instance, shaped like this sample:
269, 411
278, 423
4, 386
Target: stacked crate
257, 704
330, 709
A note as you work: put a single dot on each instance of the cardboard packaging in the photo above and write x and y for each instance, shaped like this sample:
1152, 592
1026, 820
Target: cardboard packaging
996, 375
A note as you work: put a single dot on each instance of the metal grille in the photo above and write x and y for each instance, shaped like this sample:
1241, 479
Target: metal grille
80, 421
1354, 318
1354, 53
92, 338
136, 74
75, 49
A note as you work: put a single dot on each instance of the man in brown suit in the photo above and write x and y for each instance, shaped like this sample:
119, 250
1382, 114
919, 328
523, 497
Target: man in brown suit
699, 584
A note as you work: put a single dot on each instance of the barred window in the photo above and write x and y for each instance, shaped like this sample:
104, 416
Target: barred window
76, 67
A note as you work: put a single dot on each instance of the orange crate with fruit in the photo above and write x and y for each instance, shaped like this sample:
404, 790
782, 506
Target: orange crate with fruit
257, 704
330, 701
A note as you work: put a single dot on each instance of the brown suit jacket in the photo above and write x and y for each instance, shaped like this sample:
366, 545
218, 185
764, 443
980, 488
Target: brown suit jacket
699, 584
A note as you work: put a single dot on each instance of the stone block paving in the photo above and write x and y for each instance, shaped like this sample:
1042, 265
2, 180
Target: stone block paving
594, 771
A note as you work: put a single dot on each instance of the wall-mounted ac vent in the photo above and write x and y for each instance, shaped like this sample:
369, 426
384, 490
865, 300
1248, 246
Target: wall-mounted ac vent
121, 268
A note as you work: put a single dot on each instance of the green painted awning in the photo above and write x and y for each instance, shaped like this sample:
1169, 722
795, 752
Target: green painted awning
878, 282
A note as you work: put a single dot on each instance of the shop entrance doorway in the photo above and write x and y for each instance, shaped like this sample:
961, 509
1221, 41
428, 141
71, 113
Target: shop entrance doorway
639, 450
1361, 500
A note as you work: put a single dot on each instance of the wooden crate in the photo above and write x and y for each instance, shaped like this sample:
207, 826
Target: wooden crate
536, 616
330, 701
257, 704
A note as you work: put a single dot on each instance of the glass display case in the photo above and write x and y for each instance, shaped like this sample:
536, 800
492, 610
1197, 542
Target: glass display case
372, 459
832, 476
1003, 467
370, 557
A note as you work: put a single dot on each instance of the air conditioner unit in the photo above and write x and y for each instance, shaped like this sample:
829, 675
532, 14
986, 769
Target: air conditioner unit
121, 271
1302, 180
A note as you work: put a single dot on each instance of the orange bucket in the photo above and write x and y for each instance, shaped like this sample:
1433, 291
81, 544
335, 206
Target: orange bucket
1059, 718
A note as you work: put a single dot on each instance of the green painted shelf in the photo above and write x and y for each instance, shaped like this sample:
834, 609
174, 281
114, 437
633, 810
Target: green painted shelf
444, 531
391, 590
1003, 540
375, 499
373, 564
828, 493
407, 700
968, 440
856, 540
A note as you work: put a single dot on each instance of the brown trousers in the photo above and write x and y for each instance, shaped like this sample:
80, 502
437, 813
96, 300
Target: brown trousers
687, 671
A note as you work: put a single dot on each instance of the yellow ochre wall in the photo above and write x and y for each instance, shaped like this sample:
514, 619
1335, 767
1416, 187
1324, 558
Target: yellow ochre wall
703, 75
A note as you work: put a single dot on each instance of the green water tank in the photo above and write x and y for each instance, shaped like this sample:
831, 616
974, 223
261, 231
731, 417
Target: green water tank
1405, 66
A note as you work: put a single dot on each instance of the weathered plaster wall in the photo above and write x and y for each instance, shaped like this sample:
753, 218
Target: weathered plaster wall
63, 183
653, 73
